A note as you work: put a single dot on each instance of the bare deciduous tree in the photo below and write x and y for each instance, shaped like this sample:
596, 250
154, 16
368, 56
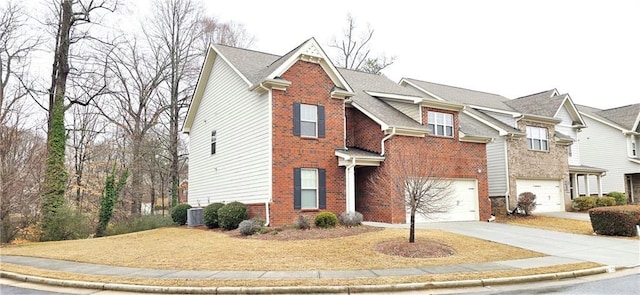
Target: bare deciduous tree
136, 72
419, 183
229, 33
354, 52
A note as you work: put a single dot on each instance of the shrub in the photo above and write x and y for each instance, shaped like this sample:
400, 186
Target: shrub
351, 218
69, 225
250, 226
615, 220
605, 201
210, 215
302, 222
621, 199
326, 220
179, 213
230, 215
583, 203
140, 223
527, 202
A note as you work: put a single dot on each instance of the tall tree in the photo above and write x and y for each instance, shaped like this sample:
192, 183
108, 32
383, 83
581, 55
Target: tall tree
176, 28
71, 15
227, 33
136, 72
415, 180
354, 52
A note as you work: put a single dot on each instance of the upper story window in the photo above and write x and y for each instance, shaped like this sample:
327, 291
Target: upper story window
634, 152
537, 138
308, 120
214, 139
440, 124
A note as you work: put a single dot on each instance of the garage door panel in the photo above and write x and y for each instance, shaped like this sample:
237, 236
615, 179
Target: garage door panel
463, 201
548, 193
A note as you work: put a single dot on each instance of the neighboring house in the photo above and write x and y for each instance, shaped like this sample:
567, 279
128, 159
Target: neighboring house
612, 141
183, 191
537, 150
292, 134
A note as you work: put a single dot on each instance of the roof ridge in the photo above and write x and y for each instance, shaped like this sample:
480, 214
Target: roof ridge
458, 87
620, 107
247, 49
541, 92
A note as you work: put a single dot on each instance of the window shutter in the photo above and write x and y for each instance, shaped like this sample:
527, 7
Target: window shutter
322, 189
296, 119
297, 189
321, 121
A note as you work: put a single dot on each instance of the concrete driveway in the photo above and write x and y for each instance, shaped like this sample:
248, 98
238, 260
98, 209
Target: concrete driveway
600, 249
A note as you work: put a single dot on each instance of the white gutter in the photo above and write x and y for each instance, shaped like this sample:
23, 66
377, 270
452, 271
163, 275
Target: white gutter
351, 197
266, 214
393, 132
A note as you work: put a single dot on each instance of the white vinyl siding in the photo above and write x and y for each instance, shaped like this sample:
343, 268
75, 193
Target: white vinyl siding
497, 167
240, 169
606, 147
565, 128
409, 109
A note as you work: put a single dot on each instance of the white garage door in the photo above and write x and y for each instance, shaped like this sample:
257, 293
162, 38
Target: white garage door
548, 193
464, 204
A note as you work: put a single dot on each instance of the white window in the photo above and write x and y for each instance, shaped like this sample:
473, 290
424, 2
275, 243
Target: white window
308, 120
633, 149
309, 188
214, 140
537, 139
440, 124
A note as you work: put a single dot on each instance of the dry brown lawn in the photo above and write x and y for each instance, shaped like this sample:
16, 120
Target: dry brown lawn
198, 249
551, 223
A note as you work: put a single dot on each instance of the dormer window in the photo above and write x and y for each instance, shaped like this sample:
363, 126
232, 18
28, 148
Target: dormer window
440, 124
537, 139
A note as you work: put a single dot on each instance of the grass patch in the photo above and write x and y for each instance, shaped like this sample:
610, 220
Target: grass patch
170, 248
551, 223
298, 282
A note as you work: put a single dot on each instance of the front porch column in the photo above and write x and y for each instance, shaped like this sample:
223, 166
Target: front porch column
350, 177
586, 185
599, 177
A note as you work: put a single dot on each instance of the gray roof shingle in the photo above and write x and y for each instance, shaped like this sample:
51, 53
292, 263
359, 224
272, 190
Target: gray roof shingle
624, 116
471, 126
253, 65
463, 96
541, 104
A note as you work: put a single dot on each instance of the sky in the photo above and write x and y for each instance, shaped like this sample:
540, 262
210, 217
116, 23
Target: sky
589, 49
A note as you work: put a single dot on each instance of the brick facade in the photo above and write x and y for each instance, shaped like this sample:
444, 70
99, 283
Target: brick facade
454, 158
309, 85
528, 164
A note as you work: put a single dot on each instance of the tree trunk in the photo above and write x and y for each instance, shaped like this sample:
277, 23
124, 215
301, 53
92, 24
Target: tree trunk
136, 175
412, 228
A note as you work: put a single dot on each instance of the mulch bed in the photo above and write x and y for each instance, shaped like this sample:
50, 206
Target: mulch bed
418, 249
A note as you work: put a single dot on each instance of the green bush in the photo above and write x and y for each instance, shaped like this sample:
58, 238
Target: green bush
584, 203
302, 222
326, 220
527, 202
210, 214
179, 213
621, 198
230, 215
140, 223
250, 226
615, 220
605, 201
351, 218
69, 225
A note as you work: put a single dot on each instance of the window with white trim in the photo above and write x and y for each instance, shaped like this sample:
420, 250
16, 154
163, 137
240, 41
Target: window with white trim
309, 188
214, 140
440, 124
634, 152
308, 120
537, 138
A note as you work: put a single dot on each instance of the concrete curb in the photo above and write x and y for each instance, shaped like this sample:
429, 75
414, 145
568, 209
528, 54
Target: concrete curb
307, 289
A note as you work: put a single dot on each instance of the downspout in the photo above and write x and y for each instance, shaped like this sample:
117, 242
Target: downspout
351, 195
506, 167
393, 132
266, 214
266, 204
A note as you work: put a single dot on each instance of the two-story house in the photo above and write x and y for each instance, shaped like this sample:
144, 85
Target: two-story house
292, 134
612, 141
537, 150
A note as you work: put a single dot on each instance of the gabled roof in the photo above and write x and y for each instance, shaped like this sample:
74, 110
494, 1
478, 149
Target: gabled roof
502, 128
374, 107
459, 95
545, 103
625, 118
473, 127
